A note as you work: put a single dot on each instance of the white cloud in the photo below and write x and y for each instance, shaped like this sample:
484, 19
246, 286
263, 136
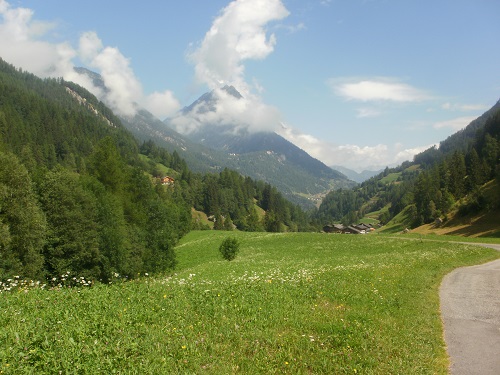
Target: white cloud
377, 89
247, 113
22, 44
464, 107
455, 124
89, 46
124, 88
409, 153
368, 112
293, 28
238, 34
162, 104
351, 156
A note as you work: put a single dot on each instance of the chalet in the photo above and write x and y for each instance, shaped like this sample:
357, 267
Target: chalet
328, 229
362, 227
335, 228
167, 180
352, 230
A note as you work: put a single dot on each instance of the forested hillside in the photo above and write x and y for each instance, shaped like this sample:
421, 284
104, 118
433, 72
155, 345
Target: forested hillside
77, 195
262, 156
438, 181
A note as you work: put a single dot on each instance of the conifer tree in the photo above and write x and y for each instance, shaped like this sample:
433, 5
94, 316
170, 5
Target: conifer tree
22, 222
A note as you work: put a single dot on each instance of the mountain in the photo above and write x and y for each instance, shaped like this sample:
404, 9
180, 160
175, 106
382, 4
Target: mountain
358, 177
76, 196
145, 126
453, 185
263, 155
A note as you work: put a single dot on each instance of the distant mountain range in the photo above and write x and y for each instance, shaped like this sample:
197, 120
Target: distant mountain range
358, 177
264, 156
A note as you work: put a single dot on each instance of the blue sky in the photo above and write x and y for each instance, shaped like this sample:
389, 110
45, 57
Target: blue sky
358, 83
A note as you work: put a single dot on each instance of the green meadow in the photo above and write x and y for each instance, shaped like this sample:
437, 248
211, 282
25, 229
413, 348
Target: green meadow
296, 303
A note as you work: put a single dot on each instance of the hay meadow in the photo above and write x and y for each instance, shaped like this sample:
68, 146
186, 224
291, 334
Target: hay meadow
296, 303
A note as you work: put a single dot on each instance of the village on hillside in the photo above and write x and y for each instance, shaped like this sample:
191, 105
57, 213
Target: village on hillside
360, 228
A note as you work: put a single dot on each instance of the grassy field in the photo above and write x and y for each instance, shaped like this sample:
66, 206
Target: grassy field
289, 303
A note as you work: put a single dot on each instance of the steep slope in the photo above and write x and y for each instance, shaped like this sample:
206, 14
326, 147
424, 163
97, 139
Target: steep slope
459, 141
76, 197
145, 126
265, 156
441, 184
262, 155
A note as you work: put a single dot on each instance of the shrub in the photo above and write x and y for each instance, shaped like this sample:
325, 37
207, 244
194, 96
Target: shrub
229, 248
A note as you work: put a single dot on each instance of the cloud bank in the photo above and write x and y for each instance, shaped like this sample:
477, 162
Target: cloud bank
351, 156
22, 38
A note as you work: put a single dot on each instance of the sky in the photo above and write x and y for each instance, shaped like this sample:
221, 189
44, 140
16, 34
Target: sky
357, 83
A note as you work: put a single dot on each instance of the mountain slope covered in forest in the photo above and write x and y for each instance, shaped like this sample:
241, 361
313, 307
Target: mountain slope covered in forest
441, 183
80, 196
260, 155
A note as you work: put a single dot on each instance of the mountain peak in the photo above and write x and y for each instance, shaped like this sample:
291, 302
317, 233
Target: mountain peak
231, 90
207, 102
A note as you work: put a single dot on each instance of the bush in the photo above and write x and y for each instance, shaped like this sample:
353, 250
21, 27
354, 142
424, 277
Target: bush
229, 248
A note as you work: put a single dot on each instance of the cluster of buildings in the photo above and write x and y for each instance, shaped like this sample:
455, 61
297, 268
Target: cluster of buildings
350, 229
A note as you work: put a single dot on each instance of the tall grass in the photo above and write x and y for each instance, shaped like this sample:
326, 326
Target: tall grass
289, 303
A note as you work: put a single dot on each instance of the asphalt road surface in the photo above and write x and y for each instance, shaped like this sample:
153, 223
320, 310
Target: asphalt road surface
470, 309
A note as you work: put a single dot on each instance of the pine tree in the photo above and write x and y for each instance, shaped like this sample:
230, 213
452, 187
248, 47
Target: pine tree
228, 223
457, 175
22, 222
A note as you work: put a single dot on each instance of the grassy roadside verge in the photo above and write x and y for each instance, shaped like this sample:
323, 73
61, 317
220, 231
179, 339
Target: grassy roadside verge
443, 238
289, 303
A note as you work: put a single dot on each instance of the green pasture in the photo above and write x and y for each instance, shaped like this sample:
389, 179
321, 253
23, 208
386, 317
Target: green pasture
296, 303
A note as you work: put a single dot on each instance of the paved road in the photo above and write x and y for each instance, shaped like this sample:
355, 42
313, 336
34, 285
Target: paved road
470, 308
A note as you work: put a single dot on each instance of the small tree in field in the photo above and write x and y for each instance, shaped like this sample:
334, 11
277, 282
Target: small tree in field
229, 248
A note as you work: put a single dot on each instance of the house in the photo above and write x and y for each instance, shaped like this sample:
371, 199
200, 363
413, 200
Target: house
328, 229
335, 228
352, 230
167, 180
362, 227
